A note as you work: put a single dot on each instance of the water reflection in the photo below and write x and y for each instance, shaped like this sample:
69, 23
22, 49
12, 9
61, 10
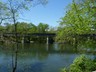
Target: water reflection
15, 57
43, 57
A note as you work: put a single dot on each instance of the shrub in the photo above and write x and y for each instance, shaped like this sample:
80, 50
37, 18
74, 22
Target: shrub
82, 64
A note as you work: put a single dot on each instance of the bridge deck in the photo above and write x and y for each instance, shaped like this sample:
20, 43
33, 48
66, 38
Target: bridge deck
29, 34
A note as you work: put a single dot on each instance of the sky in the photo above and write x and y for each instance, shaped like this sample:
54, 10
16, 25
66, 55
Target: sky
49, 14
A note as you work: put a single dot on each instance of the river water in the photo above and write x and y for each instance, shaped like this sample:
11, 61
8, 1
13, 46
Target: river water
42, 57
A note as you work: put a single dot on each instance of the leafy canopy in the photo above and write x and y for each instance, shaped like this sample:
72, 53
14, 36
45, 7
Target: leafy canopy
79, 19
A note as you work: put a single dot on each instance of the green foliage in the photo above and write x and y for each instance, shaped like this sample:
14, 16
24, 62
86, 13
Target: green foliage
23, 27
42, 28
9, 28
79, 19
82, 64
3, 12
2, 29
64, 70
33, 28
13, 8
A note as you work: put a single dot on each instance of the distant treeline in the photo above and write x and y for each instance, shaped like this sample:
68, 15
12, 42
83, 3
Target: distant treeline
23, 27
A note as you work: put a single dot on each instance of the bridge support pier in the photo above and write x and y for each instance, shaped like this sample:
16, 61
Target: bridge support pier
1, 37
23, 40
47, 40
28, 39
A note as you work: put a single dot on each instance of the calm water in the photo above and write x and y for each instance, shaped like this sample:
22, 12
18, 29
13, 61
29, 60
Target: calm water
43, 57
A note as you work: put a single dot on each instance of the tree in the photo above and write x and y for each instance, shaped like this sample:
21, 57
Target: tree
81, 64
33, 28
23, 27
42, 28
3, 12
79, 19
9, 28
2, 29
14, 7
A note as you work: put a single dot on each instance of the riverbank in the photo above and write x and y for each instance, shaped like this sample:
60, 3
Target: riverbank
82, 64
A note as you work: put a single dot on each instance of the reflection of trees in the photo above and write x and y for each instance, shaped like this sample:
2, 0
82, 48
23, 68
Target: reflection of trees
84, 45
40, 52
33, 50
67, 48
88, 45
11, 50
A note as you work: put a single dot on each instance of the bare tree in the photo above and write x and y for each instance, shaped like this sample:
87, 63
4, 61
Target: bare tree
3, 12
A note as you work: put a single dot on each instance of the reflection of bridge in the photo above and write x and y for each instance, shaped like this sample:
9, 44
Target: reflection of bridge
47, 35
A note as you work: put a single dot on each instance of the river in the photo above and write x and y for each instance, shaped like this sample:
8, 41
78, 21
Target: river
42, 57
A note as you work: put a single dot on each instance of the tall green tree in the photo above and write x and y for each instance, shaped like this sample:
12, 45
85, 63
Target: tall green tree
79, 19
9, 28
23, 27
33, 28
42, 28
